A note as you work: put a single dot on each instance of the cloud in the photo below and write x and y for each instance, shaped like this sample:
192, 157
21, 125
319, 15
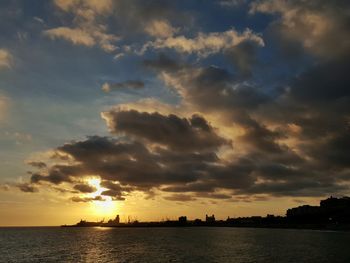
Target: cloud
86, 37
160, 28
57, 174
131, 84
309, 160
244, 56
97, 6
125, 167
24, 187
320, 27
37, 164
194, 134
326, 81
288, 144
6, 59
180, 198
88, 25
205, 44
115, 190
85, 188
214, 196
28, 188
90, 22
79, 199
76, 36
214, 88
231, 136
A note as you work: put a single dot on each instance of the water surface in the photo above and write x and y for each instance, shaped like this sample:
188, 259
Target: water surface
201, 244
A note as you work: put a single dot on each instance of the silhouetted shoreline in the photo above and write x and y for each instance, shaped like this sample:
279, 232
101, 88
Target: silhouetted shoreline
332, 214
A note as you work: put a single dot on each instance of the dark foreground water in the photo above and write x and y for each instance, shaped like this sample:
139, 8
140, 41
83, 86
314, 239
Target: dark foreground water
172, 245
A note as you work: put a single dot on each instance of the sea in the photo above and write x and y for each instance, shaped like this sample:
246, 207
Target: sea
187, 244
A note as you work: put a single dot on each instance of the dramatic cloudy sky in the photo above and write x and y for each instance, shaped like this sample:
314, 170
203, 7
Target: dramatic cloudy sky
155, 109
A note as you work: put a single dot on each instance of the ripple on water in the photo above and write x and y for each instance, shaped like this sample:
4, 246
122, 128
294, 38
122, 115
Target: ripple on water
172, 245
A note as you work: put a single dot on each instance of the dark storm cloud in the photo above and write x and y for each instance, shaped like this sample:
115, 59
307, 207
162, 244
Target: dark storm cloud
181, 134
231, 176
333, 152
115, 190
279, 171
85, 188
214, 195
258, 136
129, 163
190, 197
235, 175
211, 88
244, 57
324, 82
298, 188
214, 88
28, 188
316, 101
57, 174
191, 187
87, 199
180, 198
134, 167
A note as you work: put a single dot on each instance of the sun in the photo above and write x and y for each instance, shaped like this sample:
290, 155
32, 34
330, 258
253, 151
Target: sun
105, 209
96, 182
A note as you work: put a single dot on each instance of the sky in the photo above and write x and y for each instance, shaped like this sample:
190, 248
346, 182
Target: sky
157, 109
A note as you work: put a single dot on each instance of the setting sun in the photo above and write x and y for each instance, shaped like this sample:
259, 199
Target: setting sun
95, 182
106, 208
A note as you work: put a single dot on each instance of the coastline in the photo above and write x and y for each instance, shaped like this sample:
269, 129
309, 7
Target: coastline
325, 227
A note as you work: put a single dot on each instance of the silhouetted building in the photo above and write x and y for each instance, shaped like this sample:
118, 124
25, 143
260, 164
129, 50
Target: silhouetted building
336, 209
330, 210
332, 213
302, 211
84, 223
183, 219
333, 203
210, 219
115, 221
197, 222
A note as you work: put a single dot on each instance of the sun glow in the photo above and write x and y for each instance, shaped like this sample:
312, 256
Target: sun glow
106, 208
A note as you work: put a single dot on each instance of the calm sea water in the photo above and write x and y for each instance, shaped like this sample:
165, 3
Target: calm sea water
172, 245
